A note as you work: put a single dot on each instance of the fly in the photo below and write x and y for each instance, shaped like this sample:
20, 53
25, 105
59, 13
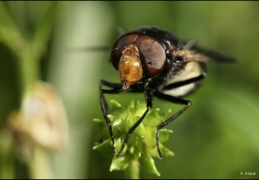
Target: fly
156, 63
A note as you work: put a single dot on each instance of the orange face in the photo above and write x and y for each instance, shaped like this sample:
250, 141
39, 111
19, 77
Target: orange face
130, 68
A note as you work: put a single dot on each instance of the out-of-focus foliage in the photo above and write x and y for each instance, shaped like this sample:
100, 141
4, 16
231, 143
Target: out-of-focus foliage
217, 137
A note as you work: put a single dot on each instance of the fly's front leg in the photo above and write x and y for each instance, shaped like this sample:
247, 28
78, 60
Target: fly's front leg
148, 97
116, 88
172, 99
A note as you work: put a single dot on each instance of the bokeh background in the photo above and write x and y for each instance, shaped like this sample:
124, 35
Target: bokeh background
218, 137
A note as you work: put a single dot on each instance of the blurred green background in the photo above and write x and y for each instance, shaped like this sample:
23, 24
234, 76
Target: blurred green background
217, 137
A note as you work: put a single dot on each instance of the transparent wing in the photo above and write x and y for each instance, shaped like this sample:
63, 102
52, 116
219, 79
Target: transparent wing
194, 53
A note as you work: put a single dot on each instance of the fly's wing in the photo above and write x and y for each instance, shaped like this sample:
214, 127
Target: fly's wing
191, 52
194, 68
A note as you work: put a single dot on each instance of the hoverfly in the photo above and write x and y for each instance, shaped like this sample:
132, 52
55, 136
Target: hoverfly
155, 62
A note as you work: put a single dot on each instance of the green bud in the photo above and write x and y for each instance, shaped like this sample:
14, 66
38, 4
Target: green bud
141, 145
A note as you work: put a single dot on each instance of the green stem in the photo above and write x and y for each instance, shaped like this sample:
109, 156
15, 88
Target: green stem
28, 69
39, 165
7, 167
132, 172
28, 53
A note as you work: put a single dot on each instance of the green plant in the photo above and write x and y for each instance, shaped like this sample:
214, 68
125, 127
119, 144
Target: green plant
141, 149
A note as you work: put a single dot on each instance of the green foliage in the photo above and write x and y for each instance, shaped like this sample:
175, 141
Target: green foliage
141, 146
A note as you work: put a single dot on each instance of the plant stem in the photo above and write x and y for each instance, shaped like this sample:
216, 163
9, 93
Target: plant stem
28, 52
39, 165
132, 172
6, 155
29, 70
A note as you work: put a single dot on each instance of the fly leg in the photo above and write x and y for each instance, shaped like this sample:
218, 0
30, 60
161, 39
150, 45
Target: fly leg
116, 88
148, 97
172, 99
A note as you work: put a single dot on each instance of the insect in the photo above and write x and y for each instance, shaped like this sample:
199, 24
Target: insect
155, 62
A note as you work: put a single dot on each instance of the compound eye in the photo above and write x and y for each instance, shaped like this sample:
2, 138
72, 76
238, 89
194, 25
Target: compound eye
153, 55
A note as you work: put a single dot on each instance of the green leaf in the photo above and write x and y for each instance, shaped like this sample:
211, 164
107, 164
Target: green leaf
140, 109
9, 32
164, 135
150, 137
148, 163
105, 147
115, 104
116, 125
44, 27
153, 118
117, 111
165, 151
103, 127
118, 144
140, 130
120, 163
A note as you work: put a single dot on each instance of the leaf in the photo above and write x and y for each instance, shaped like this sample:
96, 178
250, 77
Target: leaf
120, 163
150, 138
153, 118
44, 27
164, 135
148, 163
105, 147
118, 144
165, 151
117, 111
103, 127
